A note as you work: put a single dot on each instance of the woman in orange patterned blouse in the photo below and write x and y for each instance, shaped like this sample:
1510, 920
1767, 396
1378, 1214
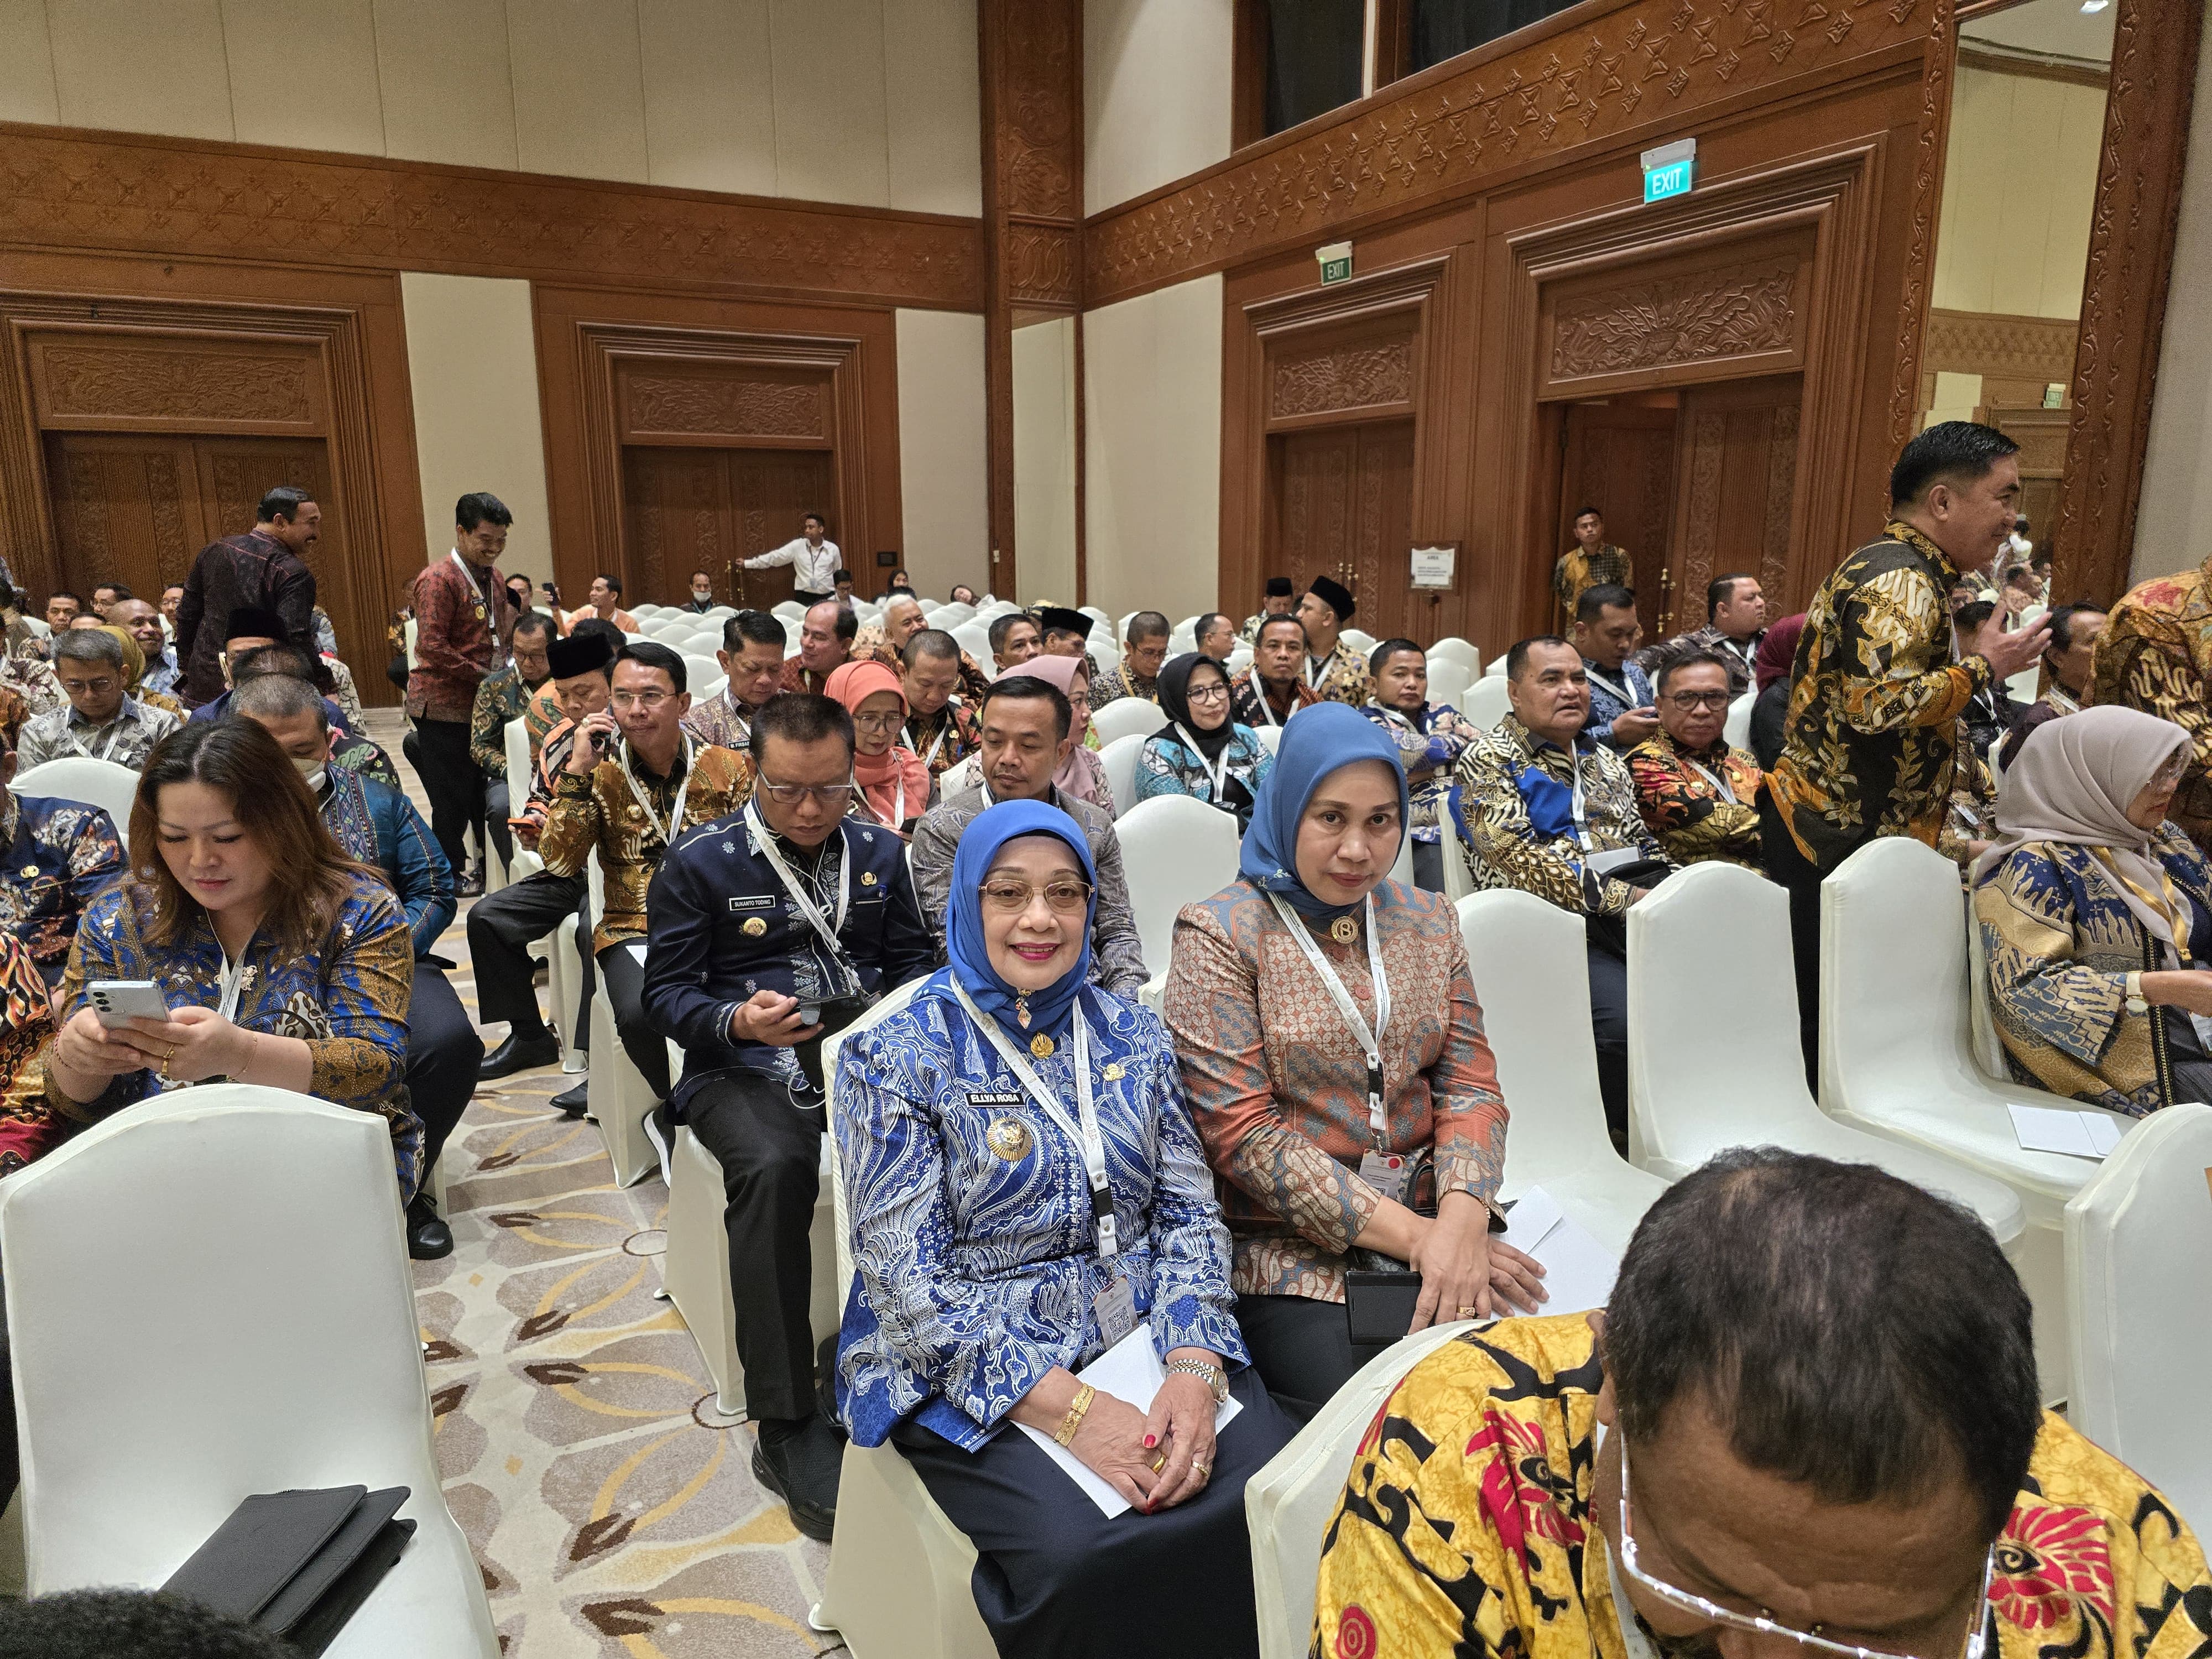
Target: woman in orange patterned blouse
1320, 1171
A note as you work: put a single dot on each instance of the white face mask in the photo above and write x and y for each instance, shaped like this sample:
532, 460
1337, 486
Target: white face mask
312, 771
702, 592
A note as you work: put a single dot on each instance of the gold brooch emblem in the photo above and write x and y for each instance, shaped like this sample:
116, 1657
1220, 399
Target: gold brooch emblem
755, 927
30, 870
1344, 930
867, 878
1113, 1074
1041, 1046
1008, 1137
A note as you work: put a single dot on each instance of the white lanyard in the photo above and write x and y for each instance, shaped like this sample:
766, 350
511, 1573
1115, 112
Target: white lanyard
1218, 772
1621, 691
799, 896
676, 811
1260, 695
1371, 1042
1314, 676
114, 736
906, 736
232, 981
898, 813
1720, 783
1582, 818
1085, 1133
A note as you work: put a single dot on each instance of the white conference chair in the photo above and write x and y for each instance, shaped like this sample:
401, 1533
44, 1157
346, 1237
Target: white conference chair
898, 1582
647, 610
1496, 664
1737, 730
1126, 717
1360, 640
1175, 851
2137, 1237
101, 783
1120, 758
519, 775
125, 1275
1896, 1056
662, 627
975, 637
1451, 849
1288, 1504
698, 669
1240, 659
1096, 614
790, 609
1453, 646
1716, 937
1271, 738
950, 617
619, 1098
1487, 702
1529, 960
711, 687
1448, 681
718, 614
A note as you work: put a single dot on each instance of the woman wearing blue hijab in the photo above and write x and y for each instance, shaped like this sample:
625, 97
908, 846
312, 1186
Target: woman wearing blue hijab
1027, 1191
1281, 988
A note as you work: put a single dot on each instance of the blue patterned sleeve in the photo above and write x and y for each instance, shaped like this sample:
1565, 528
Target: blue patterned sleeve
949, 1330
1156, 773
1193, 1306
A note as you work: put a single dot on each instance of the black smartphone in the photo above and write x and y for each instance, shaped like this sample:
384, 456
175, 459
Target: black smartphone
833, 1017
1379, 1306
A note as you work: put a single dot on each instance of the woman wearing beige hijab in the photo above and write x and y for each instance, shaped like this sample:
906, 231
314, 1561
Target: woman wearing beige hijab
2096, 916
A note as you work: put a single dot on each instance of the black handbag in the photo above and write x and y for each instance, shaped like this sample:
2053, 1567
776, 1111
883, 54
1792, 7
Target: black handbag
299, 1564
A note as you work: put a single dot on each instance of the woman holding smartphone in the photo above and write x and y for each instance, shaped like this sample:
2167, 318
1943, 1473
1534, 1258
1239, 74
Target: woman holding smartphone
1333, 1055
278, 960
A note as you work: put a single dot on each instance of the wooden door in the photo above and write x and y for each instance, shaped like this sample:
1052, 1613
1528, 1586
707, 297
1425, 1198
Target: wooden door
1619, 459
1343, 508
1737, 472
690, 509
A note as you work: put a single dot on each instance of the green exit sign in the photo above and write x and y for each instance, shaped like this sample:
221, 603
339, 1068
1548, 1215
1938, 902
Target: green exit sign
1670, 170
1335, 262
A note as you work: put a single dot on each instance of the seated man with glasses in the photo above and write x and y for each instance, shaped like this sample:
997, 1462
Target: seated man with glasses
1698, 794
634, 781
771, 929
1807, 1427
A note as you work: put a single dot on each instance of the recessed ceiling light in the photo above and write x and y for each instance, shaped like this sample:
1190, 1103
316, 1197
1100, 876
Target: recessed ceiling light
2094, 5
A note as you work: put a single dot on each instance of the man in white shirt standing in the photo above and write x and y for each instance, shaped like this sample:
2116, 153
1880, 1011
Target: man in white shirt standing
814, 562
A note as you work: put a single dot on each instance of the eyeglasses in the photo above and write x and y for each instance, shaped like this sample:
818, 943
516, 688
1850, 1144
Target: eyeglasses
890, 722
836, 795
1763, 1624
1687, 701
1010, 896
647, 701
1209, 692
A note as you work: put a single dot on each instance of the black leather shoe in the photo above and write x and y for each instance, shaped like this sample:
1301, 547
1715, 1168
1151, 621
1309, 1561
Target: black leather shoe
429, 1239
471, 884
572, 1101
519, 1054
798, 1463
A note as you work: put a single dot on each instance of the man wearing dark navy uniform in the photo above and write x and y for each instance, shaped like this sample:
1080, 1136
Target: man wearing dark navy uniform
768, 930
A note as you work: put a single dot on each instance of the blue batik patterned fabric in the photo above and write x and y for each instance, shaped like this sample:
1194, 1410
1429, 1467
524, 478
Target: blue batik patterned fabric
1166, 767
976, 1273
346, 998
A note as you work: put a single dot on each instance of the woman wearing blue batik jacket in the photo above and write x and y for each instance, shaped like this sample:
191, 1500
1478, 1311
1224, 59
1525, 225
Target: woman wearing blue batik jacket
988, 1275
1201, 751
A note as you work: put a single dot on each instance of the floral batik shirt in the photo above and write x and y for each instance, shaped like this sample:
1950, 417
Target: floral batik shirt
1339, 677
1871, 741
1466, 1527
1685, 804
1514, 795
61, 855
2155, 654
1434, 739
28, 1125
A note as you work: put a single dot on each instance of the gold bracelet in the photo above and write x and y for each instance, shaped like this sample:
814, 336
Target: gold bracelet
1068, 1425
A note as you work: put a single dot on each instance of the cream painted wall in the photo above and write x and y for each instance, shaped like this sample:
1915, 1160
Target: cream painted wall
472, 364
1156, 92
1151, 384
870, 102
943, 443
2019, 187
2176, 501
1044, 458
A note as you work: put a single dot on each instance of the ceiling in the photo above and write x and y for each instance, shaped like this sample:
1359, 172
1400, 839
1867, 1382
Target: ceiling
2052, 28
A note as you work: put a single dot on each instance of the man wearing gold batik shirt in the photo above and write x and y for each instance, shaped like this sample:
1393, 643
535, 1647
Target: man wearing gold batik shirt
1871, 741
2155, 654
1333, 670
1591, 561
636, 780
1807, 1427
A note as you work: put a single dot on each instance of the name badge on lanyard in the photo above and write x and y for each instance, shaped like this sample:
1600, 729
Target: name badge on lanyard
1386, 1171
675, 812
1216, 771
1115, 1305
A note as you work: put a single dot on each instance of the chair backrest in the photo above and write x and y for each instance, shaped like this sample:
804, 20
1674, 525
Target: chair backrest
1288, 1504
698, 670
710, 688
126, 1275
965, 774
790, 609
890, 1003
1119, 757
1530, 963
1270, 737
2137, 1237
1401, 868
1360, 640
1124, 717
950, 617
101, 783
1487, 701
1452, 645
1496, 664
1448, 681
1984, 1043
517, 734
1737, 729
661, 628
646, 611
410, 631
1240, 659
975, 637
1175, 851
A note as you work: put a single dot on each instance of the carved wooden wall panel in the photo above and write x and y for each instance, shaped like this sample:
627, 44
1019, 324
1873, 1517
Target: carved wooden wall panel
67, 188
114, 381
1746, 315
1343, 379
1499, 112
659, 405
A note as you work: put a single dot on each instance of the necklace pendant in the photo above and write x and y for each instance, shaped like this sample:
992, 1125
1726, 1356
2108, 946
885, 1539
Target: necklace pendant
1022, 1013
1041, 1046
1344, 930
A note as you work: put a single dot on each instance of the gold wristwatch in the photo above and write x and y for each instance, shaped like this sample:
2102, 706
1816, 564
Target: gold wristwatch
1216, 1379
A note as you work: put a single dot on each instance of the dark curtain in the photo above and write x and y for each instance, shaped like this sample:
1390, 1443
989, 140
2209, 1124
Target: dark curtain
1445, 29
1314, 53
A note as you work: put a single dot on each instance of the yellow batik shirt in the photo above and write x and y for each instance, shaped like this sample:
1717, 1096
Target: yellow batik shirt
1871, 742
1577, 572
1465, 1527
2155, 654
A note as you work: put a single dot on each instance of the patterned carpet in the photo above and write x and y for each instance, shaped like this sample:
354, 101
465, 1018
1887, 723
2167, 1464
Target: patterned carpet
615, 1516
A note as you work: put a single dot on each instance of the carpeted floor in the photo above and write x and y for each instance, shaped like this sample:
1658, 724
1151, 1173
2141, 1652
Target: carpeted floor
614, 1514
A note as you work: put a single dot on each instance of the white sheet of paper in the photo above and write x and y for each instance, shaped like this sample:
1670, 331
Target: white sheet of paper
1578, 1271
637, 950
1130, 1371
2054, 1129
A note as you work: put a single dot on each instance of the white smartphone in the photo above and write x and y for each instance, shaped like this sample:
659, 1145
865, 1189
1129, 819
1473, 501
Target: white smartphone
116, 1001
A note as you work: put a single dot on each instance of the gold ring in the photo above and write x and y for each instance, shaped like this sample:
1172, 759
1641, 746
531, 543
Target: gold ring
1202, 1469
1159, 1462
1468, 1313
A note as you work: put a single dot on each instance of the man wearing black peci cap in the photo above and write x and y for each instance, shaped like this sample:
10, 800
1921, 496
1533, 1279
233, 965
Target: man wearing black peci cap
1275, 602
1067, 633
1333, 670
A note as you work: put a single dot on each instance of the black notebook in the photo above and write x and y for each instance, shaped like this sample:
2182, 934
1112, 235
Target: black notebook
298, 1563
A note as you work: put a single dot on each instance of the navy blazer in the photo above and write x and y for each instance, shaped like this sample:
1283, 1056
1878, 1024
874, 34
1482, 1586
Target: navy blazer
719, 927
